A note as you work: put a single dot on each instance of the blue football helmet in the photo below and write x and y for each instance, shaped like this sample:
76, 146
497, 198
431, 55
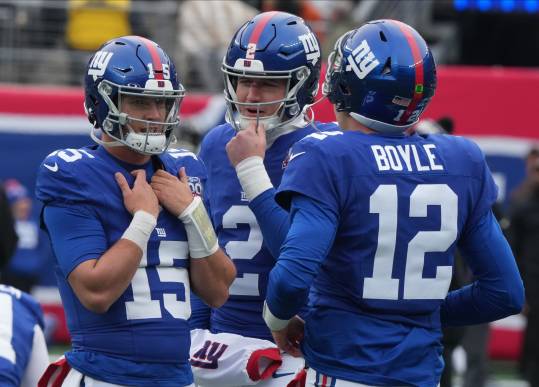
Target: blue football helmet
132, 68
383, 74
273, 45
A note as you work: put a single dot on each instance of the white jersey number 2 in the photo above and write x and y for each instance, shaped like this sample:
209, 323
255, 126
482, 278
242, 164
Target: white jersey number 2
245, 284
384, 201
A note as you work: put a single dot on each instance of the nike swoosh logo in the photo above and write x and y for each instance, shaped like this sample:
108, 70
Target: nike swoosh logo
53, 168
276, 375
292, 157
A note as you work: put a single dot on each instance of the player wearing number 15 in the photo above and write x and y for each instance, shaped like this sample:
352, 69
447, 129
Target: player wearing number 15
129, 234
376, 217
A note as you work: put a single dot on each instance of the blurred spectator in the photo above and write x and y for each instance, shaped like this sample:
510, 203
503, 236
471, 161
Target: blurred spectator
524, 238
303, 8
526, 188
89, 24
33, 249
8, 236
205, 28
92, 22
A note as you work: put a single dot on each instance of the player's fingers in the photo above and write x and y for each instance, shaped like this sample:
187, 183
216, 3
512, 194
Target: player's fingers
261, 131
140, 176
159, 178
122, 183
251, 126
163, 174
183, 175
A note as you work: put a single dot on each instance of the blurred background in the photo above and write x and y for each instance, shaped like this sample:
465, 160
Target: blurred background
488, 57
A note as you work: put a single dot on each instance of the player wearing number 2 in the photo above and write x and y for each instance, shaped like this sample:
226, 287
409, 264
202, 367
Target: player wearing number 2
271, 71
129, 234
376, 215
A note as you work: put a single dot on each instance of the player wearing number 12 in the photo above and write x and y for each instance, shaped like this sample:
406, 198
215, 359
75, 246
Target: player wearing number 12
130, 234
376, 216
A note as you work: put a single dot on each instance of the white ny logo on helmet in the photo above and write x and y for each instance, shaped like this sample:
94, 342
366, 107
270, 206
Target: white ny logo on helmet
362, 60
310, 45
99, 63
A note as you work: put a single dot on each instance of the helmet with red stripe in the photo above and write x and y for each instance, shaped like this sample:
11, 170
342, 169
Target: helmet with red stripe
135, 69
275, 46
383, 74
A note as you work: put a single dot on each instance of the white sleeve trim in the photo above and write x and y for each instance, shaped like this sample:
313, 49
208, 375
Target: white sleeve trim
253, 176
274, 323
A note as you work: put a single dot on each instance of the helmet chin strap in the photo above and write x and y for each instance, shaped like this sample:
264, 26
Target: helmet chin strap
138, 142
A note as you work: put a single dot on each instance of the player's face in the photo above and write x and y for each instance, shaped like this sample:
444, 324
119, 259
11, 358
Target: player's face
144, 108
255, 90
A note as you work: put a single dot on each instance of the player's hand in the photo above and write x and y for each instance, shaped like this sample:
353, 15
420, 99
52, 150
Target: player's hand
246, 143
173, 192
141, 196
289, 338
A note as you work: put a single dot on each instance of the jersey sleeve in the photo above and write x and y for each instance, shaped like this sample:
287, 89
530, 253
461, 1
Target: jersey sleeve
200, 313
308, 173
273, 220
58, 183
307, 244
497, 291
76, 235
485, 190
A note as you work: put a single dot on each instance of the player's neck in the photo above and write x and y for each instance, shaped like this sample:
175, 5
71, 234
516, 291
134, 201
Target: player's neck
125, 154
346, 122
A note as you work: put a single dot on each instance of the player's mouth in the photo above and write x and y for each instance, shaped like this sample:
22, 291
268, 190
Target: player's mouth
253, 112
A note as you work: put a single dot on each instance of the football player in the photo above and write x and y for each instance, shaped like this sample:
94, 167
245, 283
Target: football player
23, 350
271, 73
376, 215
128, 227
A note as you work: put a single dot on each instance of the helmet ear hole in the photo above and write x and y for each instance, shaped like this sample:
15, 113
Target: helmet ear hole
387, 66
344, 89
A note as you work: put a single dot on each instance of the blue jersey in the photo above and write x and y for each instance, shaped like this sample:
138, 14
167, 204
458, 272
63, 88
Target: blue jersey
401, 204
145, 332
238, 231
19, 315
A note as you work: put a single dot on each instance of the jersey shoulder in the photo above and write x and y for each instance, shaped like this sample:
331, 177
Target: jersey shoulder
320, 141
217, 135
61, 176
174, 159
326, 126
461, 154
33, 314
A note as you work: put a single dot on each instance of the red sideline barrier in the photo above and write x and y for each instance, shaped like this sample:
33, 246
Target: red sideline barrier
64, 101
481, 100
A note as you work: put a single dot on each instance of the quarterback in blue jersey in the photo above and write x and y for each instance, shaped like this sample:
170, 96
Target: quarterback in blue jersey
376, 214
128, 227
23, 350
271, 71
